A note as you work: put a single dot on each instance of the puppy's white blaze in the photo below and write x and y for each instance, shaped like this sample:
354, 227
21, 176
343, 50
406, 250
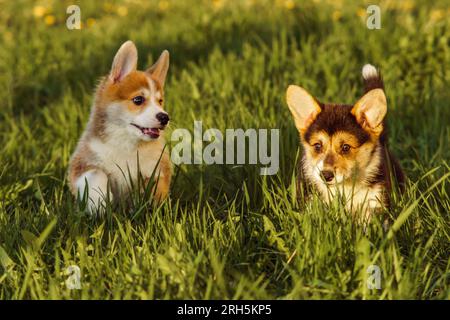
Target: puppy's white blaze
320, 165
97, 183
147, 118
156, 93
318, 171
369, 71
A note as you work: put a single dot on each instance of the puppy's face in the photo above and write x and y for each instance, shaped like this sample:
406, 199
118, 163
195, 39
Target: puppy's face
337, 157
339, 141
133, 100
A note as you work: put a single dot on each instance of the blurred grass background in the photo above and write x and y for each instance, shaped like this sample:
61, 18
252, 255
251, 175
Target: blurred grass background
226, 232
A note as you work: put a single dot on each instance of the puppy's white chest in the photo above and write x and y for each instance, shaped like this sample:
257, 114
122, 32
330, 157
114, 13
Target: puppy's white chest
363, 198
356, 197
122, 163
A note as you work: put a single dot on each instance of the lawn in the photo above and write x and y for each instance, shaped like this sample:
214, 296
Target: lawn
226, 232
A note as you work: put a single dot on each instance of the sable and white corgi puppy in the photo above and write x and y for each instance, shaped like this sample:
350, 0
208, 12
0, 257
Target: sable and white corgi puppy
345, 151
124, 132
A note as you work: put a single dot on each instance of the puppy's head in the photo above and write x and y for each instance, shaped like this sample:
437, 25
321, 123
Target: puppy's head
131, 101
339, 140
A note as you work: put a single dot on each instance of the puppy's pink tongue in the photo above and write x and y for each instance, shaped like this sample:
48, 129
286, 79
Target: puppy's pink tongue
151, 132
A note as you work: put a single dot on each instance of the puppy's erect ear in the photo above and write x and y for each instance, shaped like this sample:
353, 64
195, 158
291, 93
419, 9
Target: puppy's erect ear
303, 107
124, 62
370, 111
160, 68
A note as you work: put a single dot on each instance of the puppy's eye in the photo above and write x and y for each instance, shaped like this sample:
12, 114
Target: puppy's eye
138, 100
345, 148
317, 147
160, 101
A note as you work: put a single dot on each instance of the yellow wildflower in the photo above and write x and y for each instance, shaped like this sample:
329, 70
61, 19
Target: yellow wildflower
8, 36
50, 20
361, 12
90, 22
437, 15
122, 11
217, 4
289, 4
406, 5
163, 5
39, 11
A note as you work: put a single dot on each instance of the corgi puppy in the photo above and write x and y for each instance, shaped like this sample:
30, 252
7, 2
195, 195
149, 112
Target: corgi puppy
345, 151
123, 138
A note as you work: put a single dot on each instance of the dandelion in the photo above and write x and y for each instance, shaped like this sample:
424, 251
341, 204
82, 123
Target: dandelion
163, 5
39, 11
50, 20
289, 4
217, 4
8, 36
361, 12
90, 22
406, 5
122, 11
436, 15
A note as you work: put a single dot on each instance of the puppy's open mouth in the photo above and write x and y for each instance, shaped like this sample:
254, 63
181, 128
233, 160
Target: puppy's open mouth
151, 132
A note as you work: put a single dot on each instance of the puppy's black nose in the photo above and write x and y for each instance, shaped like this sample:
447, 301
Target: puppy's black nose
328, 175
163, 118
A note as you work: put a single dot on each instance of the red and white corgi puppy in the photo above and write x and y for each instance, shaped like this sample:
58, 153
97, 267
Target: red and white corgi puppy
345, 151
124, 134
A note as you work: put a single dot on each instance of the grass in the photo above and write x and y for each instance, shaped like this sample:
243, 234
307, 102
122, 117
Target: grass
226, 232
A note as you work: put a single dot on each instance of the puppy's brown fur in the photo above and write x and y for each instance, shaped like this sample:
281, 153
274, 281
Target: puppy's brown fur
123, 134
345, 146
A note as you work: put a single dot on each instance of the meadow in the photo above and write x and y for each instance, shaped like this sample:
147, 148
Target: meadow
226, 232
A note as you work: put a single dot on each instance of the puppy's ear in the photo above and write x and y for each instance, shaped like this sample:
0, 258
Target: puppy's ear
160, 68
124, 62
303, 107
370, 111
